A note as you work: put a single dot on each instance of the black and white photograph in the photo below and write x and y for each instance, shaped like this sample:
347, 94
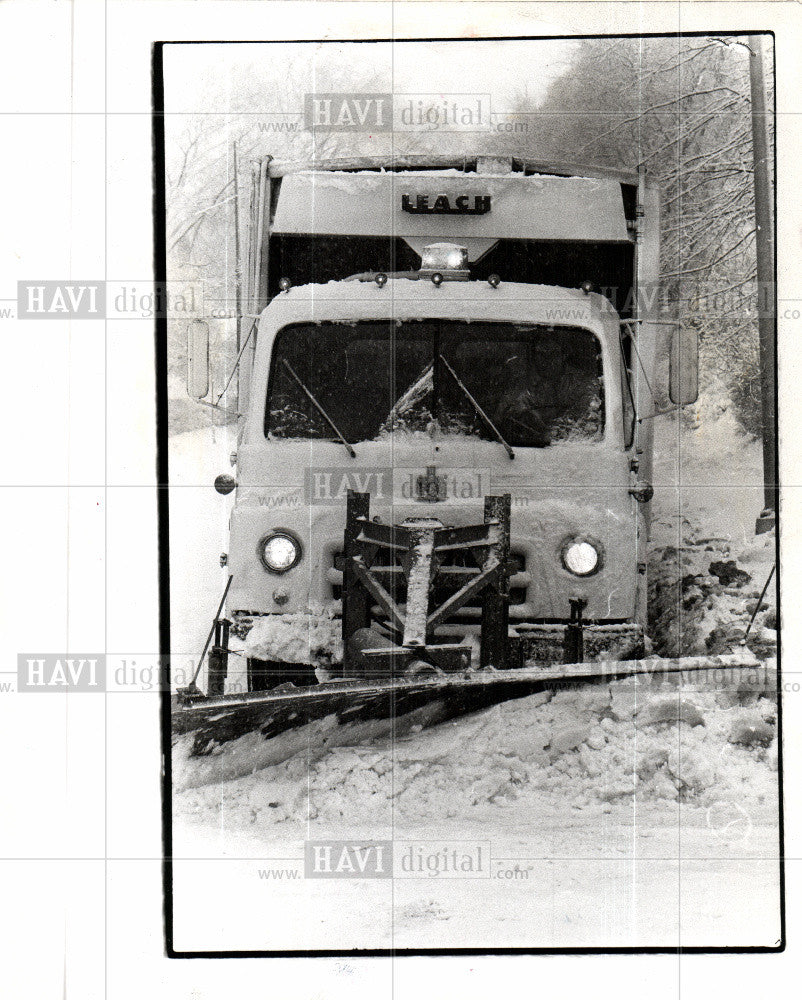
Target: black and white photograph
402, 529
470, 427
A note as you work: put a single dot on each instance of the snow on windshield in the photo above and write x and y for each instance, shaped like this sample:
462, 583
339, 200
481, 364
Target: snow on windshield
538, 384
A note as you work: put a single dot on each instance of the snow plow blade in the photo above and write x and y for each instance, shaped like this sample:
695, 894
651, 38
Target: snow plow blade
220, 738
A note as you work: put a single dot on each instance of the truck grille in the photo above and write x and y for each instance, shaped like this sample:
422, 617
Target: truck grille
444, 586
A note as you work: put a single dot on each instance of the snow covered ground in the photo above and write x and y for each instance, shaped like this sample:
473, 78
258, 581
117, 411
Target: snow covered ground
198, 516
554, 882
629, 813
706, 566
607, 823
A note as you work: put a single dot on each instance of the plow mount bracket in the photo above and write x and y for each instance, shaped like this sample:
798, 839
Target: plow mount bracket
415, 551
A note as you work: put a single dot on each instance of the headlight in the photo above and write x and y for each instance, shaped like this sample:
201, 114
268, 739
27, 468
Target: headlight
279, 551
581, 556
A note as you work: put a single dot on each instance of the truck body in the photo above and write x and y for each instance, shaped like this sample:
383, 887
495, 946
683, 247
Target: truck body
432, 332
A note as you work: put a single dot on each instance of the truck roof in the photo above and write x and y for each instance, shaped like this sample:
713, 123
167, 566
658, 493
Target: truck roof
446, 204
477, 164
402, 298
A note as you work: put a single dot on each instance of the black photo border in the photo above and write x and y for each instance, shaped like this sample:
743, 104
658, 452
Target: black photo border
162, 475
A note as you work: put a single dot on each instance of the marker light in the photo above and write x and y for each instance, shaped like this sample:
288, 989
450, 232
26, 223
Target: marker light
444, 257
494, 281
380, 279
225, 484
284, 284
581, 557
279, 552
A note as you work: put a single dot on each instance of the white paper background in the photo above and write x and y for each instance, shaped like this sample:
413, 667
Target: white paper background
80, 876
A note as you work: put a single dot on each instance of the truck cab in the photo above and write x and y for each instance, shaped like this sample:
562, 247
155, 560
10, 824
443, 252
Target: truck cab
432, 333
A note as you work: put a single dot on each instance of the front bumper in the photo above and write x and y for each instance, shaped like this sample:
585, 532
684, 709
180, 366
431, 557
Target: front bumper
529, 644
544, 645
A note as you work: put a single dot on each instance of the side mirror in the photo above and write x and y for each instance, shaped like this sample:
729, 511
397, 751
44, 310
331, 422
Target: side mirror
197, 358
683, 369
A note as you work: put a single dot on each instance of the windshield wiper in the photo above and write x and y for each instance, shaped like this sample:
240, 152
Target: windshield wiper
319, 408
497, 433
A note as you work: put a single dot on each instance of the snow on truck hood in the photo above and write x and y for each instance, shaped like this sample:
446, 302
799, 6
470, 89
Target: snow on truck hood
402, 298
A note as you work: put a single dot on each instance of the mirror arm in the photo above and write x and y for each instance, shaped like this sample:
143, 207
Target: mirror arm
651, 322
662, 413
216, 406
239, 358
634, 343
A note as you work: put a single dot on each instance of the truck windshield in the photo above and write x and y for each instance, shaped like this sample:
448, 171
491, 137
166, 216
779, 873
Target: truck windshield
538, 384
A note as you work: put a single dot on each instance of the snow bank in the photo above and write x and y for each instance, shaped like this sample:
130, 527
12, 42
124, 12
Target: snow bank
313, 636
645, 743
706, 566
702, 596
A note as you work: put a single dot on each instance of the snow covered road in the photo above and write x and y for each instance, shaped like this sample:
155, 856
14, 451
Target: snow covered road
562, 881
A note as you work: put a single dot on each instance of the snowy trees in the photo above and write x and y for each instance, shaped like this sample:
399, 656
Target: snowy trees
681, 107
